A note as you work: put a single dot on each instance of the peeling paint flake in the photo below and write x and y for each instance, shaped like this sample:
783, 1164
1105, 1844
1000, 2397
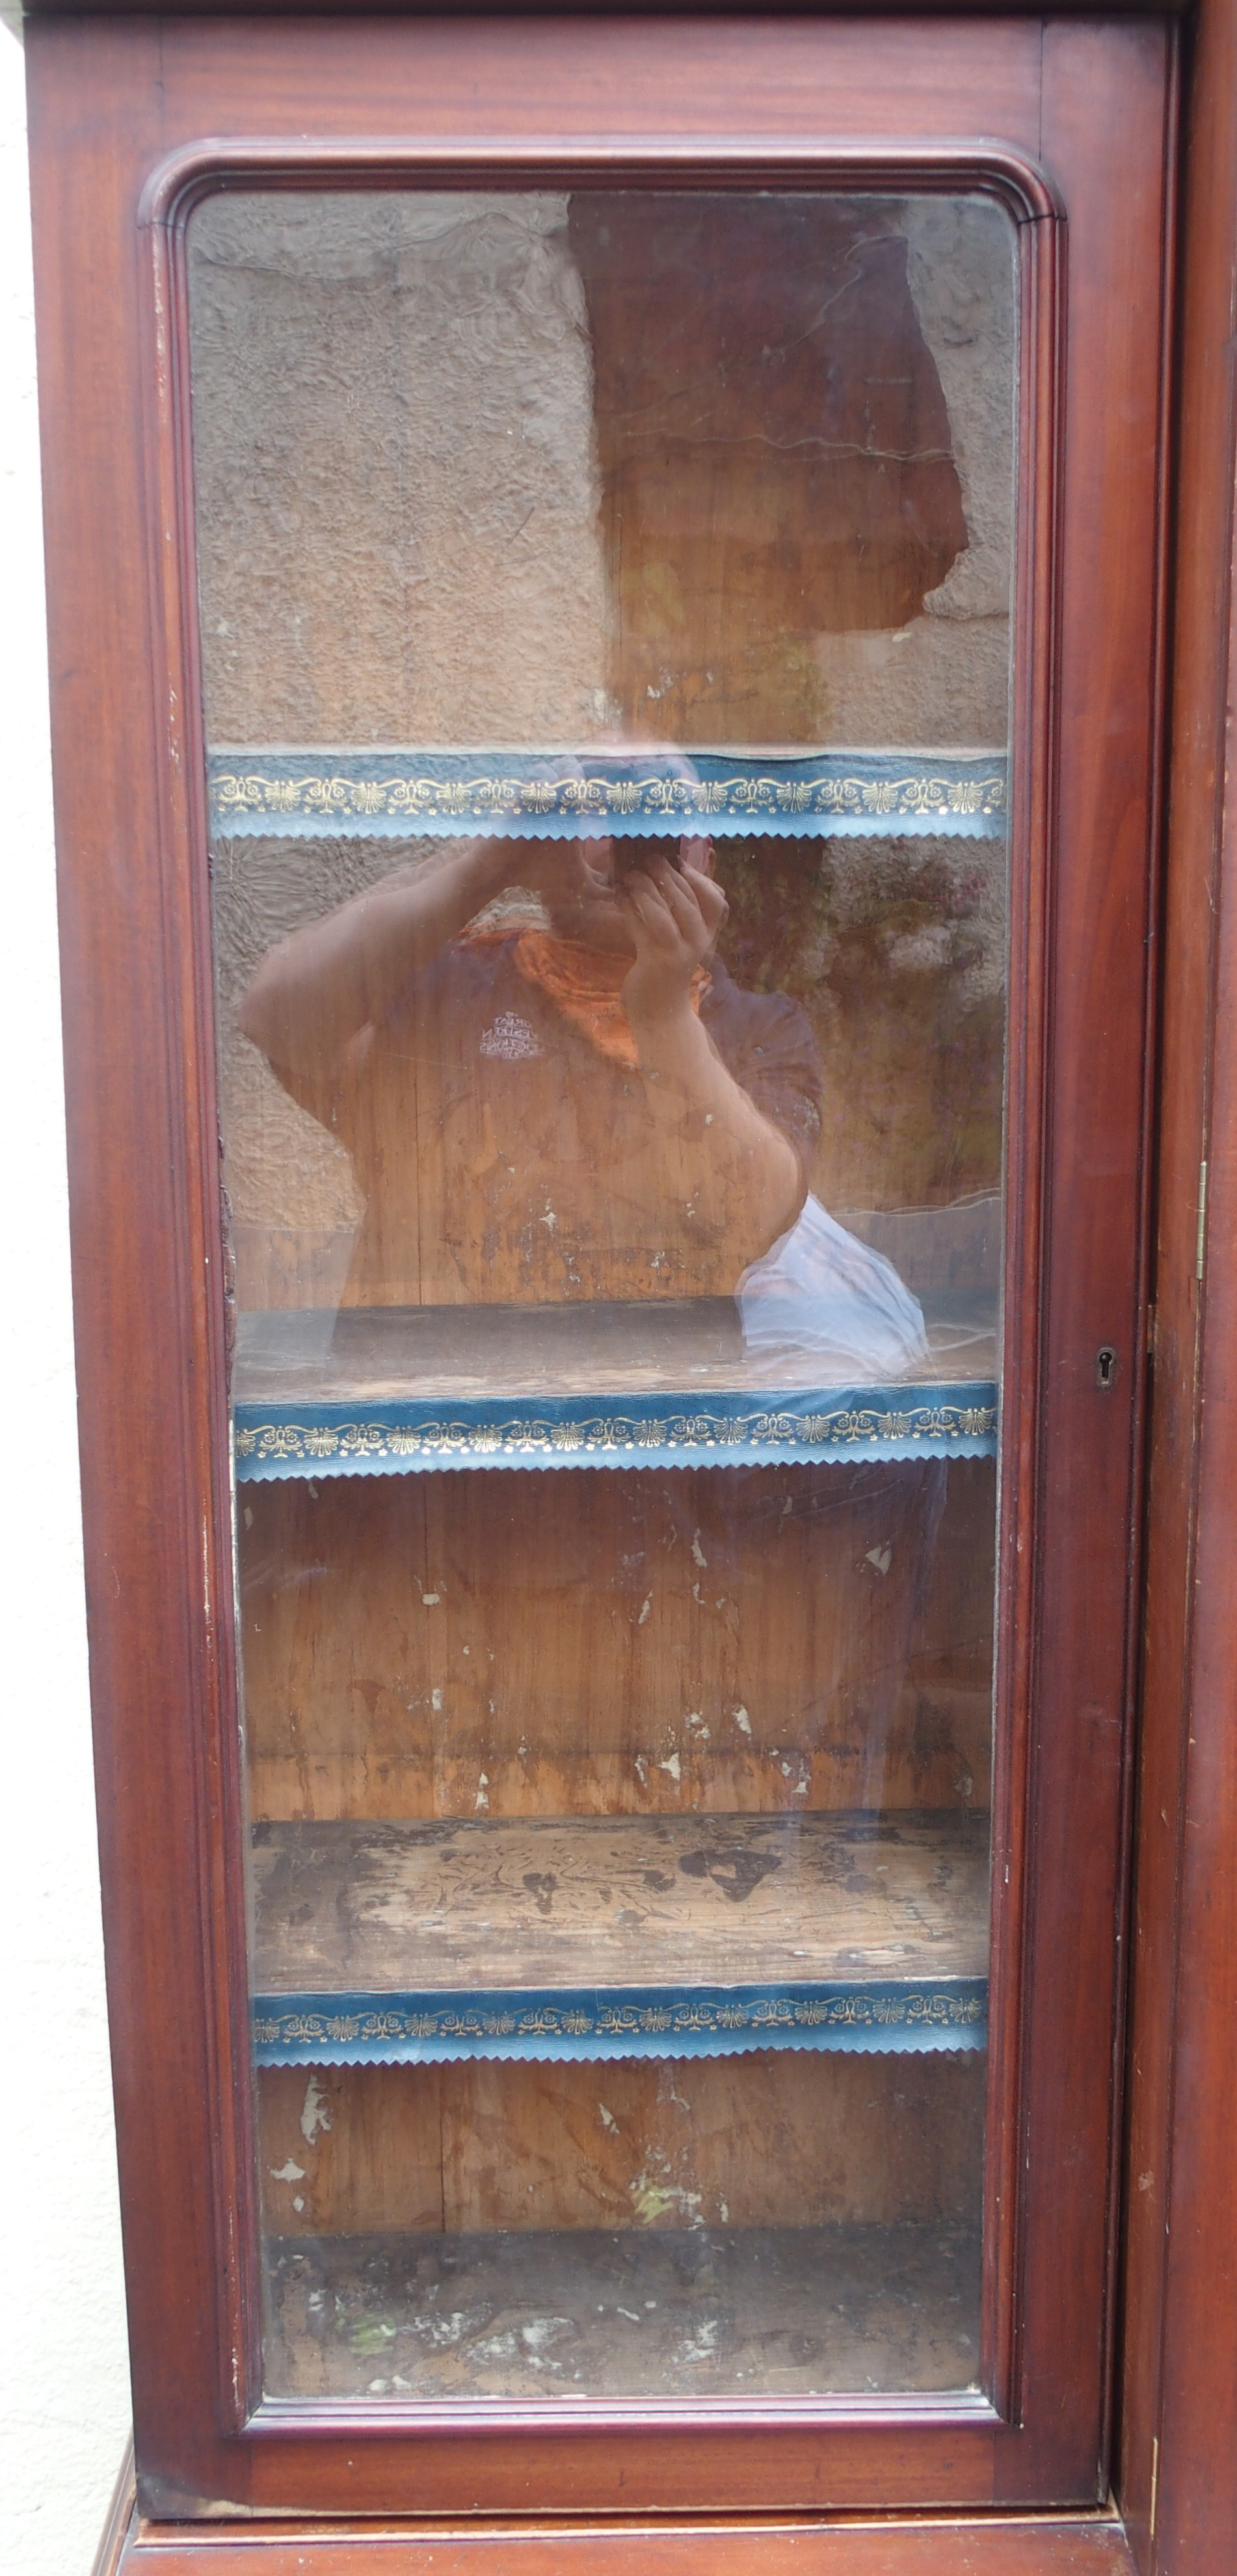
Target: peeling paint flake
315, 2111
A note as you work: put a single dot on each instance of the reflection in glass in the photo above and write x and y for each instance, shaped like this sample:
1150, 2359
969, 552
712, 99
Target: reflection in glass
605, 615
599, 1111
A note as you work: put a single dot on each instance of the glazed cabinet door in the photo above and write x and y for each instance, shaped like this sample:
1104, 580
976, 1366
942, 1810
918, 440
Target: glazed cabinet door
606, 791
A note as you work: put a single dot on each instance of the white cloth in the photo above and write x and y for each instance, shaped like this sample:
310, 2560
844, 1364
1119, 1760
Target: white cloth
821, 1291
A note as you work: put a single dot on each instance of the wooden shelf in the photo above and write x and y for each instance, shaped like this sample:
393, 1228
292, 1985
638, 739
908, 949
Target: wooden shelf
393, 1390
662, 1936
633, 2312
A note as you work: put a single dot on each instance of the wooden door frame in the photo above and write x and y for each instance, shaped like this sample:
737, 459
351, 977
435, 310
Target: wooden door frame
1177, 2460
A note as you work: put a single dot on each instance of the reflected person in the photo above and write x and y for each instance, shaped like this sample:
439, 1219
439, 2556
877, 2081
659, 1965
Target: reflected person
590, 1108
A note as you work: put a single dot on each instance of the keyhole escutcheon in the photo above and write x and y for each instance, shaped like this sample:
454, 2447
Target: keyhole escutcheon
1105, 1367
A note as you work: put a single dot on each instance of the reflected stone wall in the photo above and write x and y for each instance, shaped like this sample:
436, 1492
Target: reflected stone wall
396, 486
398, 490
944, 679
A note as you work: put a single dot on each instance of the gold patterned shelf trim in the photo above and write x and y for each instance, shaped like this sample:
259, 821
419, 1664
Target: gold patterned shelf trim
352, 2030
568, 795
962, 1424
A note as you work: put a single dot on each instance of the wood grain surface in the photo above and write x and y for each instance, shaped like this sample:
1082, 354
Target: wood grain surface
475, 1351
784, 2138
738, 1639
1178, 2462
626, 1901
1044, 2546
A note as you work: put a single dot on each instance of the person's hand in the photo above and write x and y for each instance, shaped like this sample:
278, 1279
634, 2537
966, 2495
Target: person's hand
673, 916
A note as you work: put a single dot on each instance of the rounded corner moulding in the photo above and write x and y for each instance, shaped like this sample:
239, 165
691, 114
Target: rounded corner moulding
985, 164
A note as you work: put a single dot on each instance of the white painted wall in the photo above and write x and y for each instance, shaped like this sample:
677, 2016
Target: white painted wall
64, 2397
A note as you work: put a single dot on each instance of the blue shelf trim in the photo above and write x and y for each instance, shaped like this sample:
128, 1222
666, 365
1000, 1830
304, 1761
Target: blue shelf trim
437, 2027
392, 794
822, 1425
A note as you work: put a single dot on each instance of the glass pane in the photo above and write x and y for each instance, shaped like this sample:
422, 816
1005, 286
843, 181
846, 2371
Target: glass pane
605, 623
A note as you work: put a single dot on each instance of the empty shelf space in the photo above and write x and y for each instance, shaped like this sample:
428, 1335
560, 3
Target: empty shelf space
614, 1936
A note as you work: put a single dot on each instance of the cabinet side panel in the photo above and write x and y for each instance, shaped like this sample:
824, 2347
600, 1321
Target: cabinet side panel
1177, 2476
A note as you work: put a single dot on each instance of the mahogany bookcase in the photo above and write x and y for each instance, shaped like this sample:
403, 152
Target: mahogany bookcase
233, 1460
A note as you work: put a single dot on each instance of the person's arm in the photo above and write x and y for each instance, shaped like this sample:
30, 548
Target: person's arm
322, 985
726, 1161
